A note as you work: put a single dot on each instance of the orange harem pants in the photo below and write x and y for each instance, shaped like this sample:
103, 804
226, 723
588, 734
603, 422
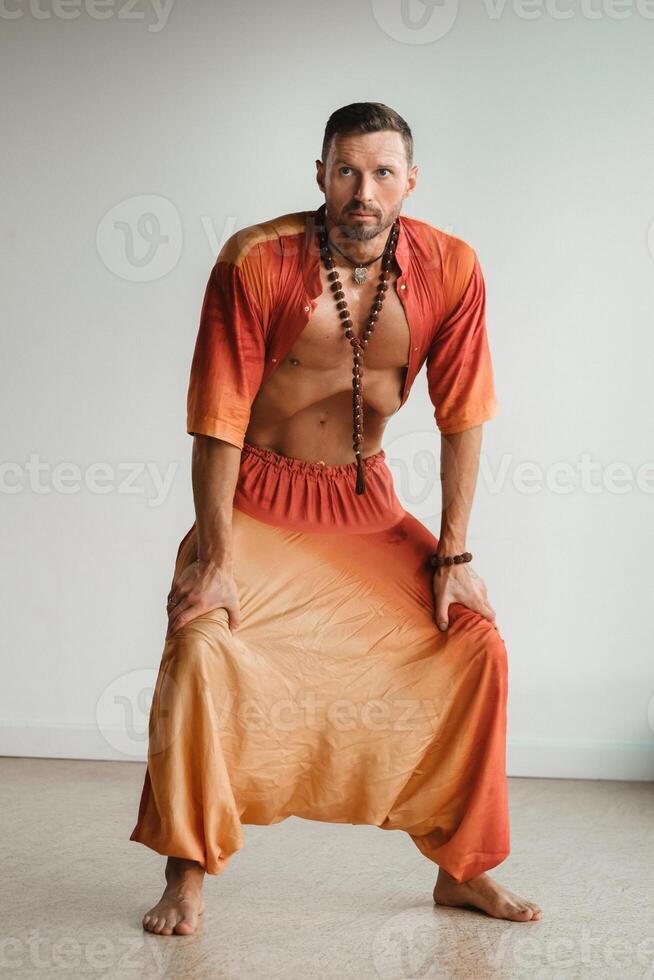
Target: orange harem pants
337, 698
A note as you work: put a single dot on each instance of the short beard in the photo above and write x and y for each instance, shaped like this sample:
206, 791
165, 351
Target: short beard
363, 232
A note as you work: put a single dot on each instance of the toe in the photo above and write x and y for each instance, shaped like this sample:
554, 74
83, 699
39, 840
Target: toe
168, 925
186, 927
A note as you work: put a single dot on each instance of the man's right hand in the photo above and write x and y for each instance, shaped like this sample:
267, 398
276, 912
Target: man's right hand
200, 588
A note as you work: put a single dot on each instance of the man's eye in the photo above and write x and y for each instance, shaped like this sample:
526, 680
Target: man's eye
385, 169
344, 168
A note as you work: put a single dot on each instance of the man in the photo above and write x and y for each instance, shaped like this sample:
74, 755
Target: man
319, 660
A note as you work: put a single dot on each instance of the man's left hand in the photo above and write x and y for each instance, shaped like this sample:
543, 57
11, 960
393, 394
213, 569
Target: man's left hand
459, 583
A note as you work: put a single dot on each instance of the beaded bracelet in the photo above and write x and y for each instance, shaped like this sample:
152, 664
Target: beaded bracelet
436, 561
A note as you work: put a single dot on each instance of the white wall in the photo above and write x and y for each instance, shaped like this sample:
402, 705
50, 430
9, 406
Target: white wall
534, 144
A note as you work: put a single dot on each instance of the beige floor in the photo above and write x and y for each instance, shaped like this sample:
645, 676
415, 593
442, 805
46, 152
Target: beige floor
311, 900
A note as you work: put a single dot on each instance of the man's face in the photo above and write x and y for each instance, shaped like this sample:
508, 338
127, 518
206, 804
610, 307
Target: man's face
365, 179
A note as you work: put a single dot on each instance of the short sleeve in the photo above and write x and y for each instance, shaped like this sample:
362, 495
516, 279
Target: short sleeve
459, 369
229, 356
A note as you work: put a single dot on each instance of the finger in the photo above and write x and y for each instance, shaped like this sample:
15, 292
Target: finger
442, 615
234, 614
175, 614
193, 611
174, 597
232, 610
180, 621
177, 596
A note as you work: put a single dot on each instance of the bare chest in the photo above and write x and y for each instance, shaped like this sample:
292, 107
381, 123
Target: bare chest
323, 344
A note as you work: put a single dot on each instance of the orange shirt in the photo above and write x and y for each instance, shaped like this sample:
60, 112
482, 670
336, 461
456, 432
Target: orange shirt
262, 291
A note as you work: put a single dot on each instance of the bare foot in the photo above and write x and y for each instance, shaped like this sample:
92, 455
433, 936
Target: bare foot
481, 892
181, 904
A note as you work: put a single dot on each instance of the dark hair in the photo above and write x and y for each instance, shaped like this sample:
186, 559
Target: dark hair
366, 117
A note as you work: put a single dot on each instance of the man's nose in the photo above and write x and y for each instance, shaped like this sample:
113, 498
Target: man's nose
364, 189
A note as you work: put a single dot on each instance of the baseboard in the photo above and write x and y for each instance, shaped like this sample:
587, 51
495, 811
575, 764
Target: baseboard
546, 758
569, 758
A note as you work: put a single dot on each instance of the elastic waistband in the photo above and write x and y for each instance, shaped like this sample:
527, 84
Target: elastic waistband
306, 495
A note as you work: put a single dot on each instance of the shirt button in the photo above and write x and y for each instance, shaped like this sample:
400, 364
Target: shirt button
415, 348
403, 286
306, 309
273, 359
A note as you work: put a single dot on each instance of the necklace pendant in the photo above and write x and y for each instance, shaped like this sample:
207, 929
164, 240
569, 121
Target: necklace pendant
360, 274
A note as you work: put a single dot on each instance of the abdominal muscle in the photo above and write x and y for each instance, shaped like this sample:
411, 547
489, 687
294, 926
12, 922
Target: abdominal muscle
308, 414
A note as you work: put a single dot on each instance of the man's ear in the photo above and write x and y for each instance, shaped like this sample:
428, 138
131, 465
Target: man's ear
320, 175
412, 177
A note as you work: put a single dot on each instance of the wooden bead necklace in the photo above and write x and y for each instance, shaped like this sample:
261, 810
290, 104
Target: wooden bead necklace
359, 344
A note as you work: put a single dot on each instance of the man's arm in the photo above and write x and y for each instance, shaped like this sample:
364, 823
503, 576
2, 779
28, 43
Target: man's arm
461, 388
458, 470
214, 471
209, 583
226, 373
458, 583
